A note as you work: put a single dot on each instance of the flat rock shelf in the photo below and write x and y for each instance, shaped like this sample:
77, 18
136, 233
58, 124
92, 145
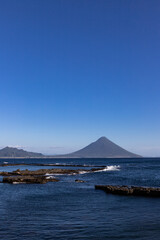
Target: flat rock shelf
48, 171
41, 175
28, 179
130, 191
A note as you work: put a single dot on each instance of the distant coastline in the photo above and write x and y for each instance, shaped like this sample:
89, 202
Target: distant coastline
102, 148
46, 157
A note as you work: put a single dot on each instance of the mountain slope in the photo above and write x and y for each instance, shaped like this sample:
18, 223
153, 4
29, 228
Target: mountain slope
14, 152
102, 148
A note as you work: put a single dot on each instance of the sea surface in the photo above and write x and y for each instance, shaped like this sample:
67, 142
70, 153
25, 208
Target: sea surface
68, 210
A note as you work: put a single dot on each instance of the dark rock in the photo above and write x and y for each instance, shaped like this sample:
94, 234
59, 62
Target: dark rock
79, 181
48, 171
49, 164
5, 173
28, 179
135, 191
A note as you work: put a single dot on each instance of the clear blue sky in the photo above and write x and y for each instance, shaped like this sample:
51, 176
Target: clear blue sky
73, 71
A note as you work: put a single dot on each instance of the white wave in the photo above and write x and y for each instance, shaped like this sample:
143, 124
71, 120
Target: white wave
5, 162
83, 172
18, 182
53, 164
52, 174
110, 168
107, 168
50, 177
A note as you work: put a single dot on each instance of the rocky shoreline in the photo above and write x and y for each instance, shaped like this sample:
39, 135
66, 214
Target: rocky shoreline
47, 165
130, 191
28, 179
41, 175
48, 171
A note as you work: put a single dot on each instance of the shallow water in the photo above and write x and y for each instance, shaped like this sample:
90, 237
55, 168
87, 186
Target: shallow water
70, 210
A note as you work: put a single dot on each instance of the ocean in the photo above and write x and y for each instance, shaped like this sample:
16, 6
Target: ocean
71, 211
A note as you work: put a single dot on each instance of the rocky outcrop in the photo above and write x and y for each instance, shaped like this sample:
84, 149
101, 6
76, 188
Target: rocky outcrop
47, 171
49, 164
128, 191
38, 172
28, 179
41, 175
79, 181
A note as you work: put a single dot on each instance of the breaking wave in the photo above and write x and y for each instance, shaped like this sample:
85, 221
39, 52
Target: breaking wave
83, 172
106, 169
110, 168
51, 175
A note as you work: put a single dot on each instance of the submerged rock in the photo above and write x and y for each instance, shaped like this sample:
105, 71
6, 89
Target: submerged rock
79, 181
135, 191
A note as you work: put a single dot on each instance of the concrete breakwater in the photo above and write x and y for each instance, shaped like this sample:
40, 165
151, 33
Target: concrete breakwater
130, 191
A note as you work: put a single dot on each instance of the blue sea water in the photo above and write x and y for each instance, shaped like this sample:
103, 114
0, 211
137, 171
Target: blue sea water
69, 210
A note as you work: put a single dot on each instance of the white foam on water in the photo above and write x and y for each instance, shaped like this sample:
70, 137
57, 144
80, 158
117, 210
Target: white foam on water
110, 168
106, 169
50, 177
53, 174
83, 172
18, 182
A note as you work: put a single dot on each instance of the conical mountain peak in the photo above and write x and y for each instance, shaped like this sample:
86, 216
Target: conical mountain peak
102, 148
102, 139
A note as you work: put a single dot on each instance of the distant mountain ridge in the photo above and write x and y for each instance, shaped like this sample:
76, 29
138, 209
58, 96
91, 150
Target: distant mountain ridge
102, 148
15, 152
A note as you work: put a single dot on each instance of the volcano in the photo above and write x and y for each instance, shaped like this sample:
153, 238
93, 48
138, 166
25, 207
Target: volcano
102, 148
